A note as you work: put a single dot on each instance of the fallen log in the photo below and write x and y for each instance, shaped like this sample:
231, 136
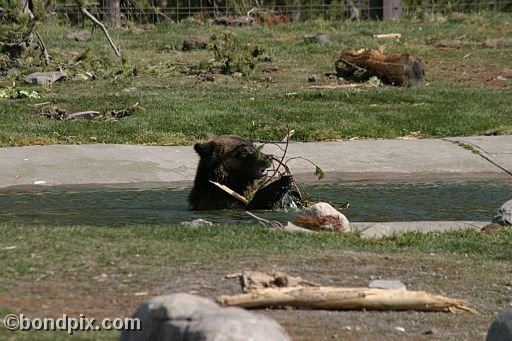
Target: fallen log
395, 69
332, 298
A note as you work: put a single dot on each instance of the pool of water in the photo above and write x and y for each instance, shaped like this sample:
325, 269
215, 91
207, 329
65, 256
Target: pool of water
474, 200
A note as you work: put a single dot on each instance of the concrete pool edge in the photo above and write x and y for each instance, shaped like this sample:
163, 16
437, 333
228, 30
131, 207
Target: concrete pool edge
358, 160
385, 229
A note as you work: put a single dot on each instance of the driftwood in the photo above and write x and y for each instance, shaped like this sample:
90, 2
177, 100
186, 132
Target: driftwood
396, 69
253, 280
331, 298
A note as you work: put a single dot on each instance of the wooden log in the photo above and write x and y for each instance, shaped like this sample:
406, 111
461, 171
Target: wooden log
395, 69
332, 298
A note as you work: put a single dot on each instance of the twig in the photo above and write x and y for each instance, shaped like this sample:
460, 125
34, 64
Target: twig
103, 28
230, 192
267, 223
46, 56
280, 162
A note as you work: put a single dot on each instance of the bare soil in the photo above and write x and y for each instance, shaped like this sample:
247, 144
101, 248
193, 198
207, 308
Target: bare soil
485, 285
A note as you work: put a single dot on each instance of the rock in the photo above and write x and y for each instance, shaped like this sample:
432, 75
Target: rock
449, 44
317, 38
323, 209
83, 115
392, 284
79, 36
312, 79
195, 43
501, 328
46, 78
504, 214
186, 317
197, 223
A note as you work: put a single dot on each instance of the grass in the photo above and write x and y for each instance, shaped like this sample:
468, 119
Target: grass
96, 270
179, 109
75, 246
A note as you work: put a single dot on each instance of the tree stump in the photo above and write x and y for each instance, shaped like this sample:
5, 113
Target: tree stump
395, 69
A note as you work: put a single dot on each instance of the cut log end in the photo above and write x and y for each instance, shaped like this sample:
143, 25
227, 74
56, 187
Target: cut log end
396, 69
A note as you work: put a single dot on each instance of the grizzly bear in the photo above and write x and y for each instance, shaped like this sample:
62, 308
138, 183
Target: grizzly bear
236, 163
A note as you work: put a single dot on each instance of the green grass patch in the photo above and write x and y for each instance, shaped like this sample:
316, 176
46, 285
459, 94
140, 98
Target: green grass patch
103, 247
180, 109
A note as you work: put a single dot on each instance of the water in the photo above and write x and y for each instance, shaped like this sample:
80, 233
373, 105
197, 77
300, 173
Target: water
475, 200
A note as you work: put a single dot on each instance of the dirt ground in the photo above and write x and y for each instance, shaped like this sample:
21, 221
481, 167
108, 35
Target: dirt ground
485, 285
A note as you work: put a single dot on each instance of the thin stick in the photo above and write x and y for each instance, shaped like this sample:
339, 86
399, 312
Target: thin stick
103, 28
231, 192
46, 56
267, 223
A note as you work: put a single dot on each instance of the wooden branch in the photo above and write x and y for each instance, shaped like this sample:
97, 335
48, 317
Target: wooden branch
332, 298
46, 56
267, 223
103, 28
230, 192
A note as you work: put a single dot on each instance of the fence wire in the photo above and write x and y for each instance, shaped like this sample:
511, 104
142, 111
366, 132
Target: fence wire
154, 11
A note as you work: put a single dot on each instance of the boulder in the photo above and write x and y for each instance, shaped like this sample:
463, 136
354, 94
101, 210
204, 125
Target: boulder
501, 328
504, 214
185, 317
46, 78
323, 209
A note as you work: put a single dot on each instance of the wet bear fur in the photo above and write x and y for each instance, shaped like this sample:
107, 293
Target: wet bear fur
236, 163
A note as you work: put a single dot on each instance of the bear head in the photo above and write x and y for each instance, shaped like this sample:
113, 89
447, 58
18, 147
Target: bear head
232, 160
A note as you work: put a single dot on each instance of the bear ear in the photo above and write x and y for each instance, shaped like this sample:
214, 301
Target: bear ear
203, 149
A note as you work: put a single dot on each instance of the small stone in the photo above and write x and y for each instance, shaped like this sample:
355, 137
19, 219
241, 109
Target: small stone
312, 78
319, 38
46, 78
391, 284
400, 329
431, 331
197, 223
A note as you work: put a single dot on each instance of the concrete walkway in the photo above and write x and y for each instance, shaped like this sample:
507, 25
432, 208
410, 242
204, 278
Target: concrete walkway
156, 166
141, 166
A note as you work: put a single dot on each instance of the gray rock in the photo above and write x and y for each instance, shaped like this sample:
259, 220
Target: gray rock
392, 284
197, 223
504, 214
319, 38
83, 115
44, 77
501, 328
185, 317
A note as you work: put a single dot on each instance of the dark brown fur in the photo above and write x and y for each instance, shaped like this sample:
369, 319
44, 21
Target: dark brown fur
236, 163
